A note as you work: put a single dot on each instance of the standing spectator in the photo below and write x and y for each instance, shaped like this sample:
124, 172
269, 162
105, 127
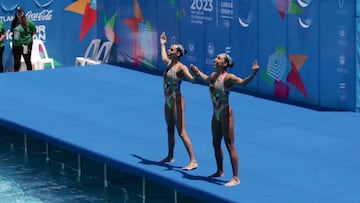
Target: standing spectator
23, 30
2, 45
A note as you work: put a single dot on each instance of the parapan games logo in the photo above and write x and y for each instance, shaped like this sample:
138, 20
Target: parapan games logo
10, 5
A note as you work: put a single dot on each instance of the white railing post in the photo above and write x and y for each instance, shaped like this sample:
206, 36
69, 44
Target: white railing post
25, 144
143, 190
79, 165
47, 152
105, 176
175, 196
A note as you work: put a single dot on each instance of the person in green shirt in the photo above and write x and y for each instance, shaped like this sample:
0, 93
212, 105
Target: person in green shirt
23, 30
2, 45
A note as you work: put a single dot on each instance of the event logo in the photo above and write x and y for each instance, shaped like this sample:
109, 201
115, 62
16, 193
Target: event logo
304, 22
211, 49
8, 8
342, 93
341, 3
43, 3
283, 69
200, 11
226, 12
245, 22
246, 13
342, 69
209, 60
172, 40
342, 39
191, 48
87, 8
143, 45
277, 64
342, 60
228, 50
288, 7
109, 29
304, 3
284, 7
10, 5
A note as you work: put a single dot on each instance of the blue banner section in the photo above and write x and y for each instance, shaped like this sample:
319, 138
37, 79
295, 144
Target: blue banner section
305, 48
303, 53
337, 55
243, 42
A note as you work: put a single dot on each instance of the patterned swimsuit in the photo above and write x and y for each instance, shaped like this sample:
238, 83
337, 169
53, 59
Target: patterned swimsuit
171, 85
219, 96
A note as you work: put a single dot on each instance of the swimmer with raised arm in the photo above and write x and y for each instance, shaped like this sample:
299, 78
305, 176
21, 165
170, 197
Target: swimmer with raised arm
174, 101
220, 84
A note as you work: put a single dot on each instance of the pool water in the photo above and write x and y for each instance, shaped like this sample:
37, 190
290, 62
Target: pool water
30, 178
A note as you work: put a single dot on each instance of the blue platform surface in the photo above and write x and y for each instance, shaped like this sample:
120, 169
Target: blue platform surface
115, 116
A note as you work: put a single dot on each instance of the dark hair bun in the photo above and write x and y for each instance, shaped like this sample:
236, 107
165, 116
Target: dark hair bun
229, 60
181, 49
231, 64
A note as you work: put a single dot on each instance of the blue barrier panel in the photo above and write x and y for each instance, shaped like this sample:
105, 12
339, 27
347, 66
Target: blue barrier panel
337, 61
245, 41
217, 30
192, 27
169, 16
303, 54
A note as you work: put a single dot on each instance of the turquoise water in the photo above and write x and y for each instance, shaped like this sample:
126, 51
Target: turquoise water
30, 178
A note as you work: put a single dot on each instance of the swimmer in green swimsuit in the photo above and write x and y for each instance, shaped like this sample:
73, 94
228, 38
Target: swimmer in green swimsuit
174, 101
220, 84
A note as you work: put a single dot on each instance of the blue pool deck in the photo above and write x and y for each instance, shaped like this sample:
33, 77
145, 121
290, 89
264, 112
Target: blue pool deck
115, 116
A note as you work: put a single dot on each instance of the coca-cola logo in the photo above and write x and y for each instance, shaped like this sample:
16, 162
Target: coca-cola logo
44, 15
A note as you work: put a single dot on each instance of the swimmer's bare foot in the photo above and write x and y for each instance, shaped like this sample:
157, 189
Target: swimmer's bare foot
234, 181
167, 159
191, 166
216, 174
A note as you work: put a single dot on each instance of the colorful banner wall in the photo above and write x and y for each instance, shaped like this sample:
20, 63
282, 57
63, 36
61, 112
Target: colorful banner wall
305, 48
